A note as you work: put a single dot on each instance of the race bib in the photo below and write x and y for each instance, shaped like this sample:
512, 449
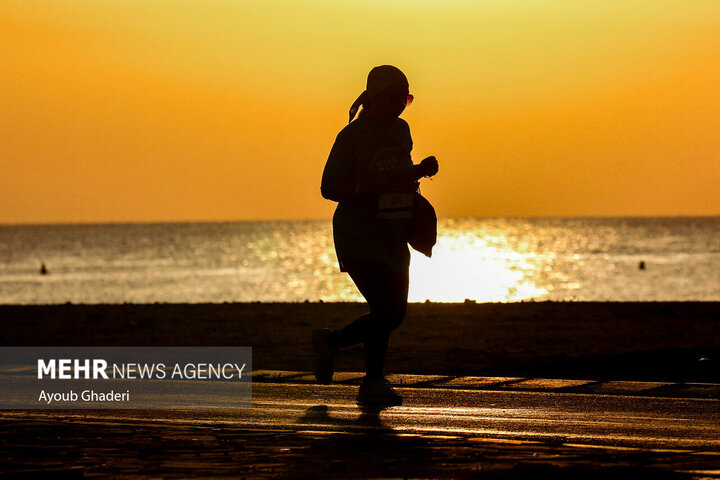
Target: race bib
395, 205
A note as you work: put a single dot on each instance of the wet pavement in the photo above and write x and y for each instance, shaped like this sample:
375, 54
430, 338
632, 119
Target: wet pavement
448, 427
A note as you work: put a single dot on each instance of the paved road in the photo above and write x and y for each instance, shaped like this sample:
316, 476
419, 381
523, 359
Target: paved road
608, 420
302, 427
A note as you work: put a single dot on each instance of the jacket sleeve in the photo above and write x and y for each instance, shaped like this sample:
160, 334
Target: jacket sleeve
338, 169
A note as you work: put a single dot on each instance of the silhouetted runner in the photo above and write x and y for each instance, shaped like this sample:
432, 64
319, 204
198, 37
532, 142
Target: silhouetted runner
370, 174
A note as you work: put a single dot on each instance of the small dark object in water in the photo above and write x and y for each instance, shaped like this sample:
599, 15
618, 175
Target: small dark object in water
705, 367
641, 266
43, 269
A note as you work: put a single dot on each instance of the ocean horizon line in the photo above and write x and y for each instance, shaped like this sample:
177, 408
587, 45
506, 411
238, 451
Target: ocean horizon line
329, 219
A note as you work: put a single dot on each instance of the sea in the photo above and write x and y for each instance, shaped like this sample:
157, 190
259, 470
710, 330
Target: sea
475, 259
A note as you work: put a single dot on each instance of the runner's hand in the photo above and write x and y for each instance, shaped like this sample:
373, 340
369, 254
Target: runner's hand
429, 166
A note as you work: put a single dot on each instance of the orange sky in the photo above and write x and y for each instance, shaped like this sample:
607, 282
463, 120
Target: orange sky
167, 110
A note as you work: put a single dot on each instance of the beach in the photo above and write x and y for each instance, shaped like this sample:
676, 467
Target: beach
324, 436
661, 341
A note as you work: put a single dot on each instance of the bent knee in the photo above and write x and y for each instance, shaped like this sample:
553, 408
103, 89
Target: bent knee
390, 319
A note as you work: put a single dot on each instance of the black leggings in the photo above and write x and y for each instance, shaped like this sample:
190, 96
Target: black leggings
386, 293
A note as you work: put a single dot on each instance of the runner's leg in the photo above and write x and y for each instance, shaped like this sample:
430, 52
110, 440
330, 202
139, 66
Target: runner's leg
386, 293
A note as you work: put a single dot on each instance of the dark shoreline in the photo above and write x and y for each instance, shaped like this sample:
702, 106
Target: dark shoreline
660, 341
647, 341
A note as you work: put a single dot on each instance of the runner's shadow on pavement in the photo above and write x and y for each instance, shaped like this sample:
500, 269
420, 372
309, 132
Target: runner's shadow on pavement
363, 446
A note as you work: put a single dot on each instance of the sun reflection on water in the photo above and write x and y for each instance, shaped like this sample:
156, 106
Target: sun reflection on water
485, 266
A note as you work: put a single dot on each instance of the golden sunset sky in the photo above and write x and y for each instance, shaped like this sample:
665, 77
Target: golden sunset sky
174, 110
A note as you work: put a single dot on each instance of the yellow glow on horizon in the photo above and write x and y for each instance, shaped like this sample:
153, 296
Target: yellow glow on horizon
167, 110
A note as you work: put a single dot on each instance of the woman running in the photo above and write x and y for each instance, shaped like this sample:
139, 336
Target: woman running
370, 174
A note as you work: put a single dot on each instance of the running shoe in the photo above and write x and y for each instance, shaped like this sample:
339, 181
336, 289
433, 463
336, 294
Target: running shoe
378, 393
